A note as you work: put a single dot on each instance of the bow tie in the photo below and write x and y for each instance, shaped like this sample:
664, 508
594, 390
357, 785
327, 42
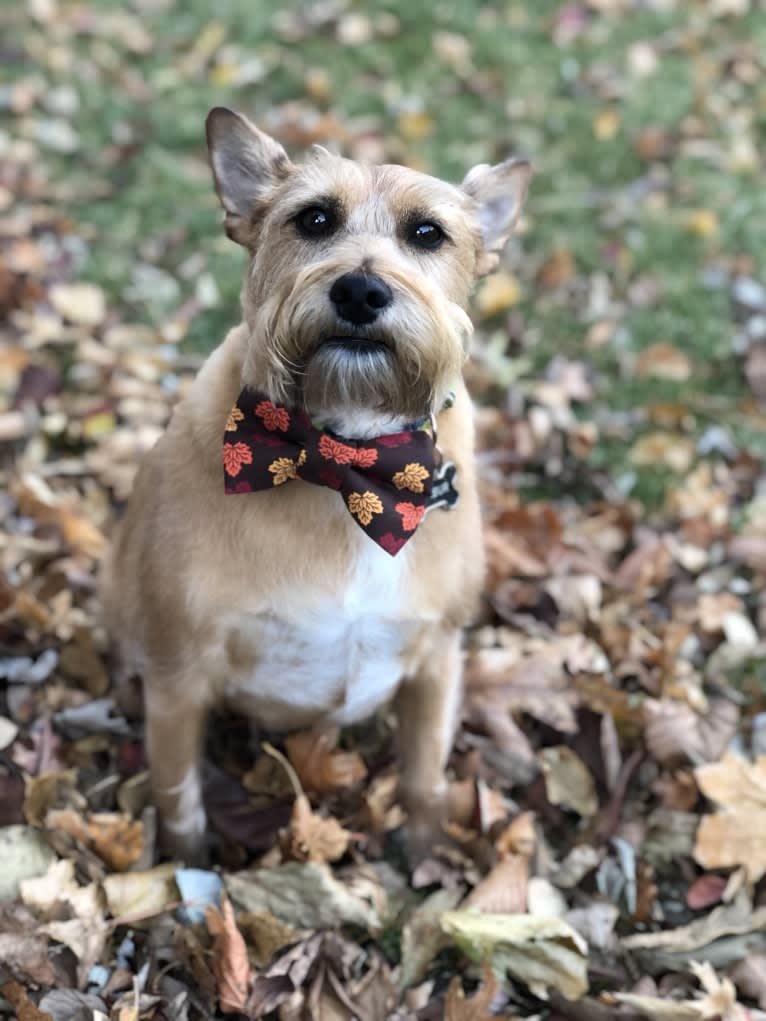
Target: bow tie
385, 482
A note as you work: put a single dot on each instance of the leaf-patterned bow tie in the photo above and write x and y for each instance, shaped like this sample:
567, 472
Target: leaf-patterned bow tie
385, 482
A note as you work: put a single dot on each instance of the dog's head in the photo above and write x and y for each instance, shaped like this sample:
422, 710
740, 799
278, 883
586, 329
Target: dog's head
359, 276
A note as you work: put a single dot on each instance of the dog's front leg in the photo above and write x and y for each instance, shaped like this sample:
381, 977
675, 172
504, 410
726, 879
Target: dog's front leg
427, 707
174, 731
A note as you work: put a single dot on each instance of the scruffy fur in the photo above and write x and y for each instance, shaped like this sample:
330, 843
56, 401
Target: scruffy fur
277, 600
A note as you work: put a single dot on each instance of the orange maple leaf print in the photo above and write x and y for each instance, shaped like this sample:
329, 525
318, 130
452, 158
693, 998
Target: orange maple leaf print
365, 457
283, 469
235, 415
411, 477
273, 417
332, 450
411, 515
234, 456
364, 505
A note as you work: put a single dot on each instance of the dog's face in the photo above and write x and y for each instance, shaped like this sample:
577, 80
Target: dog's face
359, 275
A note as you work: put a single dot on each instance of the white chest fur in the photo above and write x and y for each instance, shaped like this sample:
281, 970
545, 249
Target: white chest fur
317, 656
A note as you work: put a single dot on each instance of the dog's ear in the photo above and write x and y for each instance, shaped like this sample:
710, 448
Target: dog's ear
499, 193
246, 163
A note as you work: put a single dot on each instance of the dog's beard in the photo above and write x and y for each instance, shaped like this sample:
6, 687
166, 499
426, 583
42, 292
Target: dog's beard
297, 358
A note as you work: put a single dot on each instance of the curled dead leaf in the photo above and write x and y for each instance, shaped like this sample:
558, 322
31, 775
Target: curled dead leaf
231, 964
458, 1007
319, 765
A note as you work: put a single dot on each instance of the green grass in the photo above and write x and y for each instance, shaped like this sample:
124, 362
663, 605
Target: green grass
525, 94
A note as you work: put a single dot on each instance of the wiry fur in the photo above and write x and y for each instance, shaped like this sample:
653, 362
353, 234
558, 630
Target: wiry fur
277, 600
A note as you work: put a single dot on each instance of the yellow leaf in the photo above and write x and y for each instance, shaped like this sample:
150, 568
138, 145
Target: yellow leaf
499, 292
606, 125
702, 222
415, 125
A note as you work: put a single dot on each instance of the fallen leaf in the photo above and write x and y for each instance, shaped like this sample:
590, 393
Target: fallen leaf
18, 999
312, 838
676, 732
504, 889
74, 914
304, 894
24, 853
475, 1008
319, 765
81, 303
606, 125
117, 839
70, 1005
141, 894
734, 834
230, 964
23, 947
568, 782
719, 1001
750, 978
664, 361
706, 891
665, 449
499, 292
422, 934
543, 953
702, 222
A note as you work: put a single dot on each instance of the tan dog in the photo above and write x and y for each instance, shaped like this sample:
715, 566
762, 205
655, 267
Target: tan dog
354, 312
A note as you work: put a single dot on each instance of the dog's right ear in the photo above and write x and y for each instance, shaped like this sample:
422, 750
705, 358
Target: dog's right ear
246, 164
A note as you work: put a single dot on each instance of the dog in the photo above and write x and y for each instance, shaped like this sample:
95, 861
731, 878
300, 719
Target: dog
304, 541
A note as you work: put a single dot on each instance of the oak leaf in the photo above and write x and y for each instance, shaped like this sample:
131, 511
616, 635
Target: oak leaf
734, 834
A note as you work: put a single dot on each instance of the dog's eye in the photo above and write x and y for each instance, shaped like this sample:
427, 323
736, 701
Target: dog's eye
426, 235
315, 222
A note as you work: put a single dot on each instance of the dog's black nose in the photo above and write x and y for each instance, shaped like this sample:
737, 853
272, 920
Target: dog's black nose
359, 297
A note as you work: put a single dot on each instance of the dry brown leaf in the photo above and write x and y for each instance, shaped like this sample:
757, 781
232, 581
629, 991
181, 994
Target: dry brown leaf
475, 1008
519, 837
502, 680
116, 838
380, 798
664, 361
665, 449
568, 781
231, 964
473, 805
675, 732
504, 889
312, 838
18, 999
23, 947
734, 835
320, 767
74, 915
749, 976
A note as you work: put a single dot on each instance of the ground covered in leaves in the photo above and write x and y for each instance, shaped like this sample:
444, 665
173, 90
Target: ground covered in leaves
608, 783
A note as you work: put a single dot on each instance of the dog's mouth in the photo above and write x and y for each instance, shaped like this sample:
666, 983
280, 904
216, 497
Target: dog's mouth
355, 345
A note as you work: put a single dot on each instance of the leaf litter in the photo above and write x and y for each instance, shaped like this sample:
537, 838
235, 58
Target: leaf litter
607, 782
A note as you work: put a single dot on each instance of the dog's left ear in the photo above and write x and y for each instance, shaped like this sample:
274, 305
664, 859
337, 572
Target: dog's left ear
246, 164
499, 193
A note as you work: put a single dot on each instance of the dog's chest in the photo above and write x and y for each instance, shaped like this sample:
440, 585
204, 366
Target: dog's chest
320, 657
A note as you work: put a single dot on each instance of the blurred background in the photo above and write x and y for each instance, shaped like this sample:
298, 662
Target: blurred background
630, 310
